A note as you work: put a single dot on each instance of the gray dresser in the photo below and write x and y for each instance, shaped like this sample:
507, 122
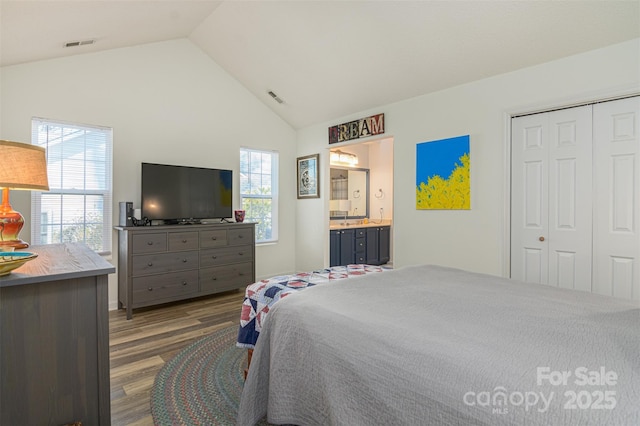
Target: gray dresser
54, 331
160, 264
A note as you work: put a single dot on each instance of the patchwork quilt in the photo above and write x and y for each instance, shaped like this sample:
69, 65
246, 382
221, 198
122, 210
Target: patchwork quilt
260, 296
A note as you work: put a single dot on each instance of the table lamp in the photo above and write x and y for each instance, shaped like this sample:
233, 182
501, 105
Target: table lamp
22, 166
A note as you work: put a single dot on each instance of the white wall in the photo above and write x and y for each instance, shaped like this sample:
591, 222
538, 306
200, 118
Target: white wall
477, 239
381, 165
166, 102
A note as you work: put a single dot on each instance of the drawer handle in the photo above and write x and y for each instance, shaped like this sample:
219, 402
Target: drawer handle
241, 273
214, 278
184, 283
214, 238
150, 243
240, 253
240, 236
184, 241
150, 264
214, 257
184, 260
150, 289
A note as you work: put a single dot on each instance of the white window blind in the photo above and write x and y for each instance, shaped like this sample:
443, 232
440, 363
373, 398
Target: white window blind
259, 191
77, 207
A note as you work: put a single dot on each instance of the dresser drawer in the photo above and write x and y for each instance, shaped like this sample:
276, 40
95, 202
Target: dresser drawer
164, 262
165, 286
213, 238
228, 277
214, 257
183, 241
361, 247
149, 243
240, 236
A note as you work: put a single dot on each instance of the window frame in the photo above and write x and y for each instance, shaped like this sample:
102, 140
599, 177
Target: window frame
106, 193
274, 196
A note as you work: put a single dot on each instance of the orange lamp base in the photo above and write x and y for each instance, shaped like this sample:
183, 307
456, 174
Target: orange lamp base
11, 223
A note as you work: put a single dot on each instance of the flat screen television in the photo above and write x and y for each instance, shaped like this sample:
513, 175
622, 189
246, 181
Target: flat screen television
181, 194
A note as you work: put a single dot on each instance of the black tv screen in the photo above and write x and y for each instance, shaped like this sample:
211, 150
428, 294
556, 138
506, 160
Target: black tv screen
181, 193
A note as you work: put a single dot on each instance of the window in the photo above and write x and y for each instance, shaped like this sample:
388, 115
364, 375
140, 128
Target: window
259, 191
77, 207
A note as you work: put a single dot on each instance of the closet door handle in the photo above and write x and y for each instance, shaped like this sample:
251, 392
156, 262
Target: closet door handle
541, 238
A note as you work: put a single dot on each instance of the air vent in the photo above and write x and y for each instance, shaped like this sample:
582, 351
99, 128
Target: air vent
274, 96
79, 43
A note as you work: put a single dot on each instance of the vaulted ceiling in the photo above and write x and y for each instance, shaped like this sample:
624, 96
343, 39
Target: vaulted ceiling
326, 59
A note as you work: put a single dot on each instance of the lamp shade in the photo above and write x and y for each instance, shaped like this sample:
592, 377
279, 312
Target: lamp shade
23, 166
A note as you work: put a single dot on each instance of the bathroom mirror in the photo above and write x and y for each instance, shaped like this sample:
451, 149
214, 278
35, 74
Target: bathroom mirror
350, 184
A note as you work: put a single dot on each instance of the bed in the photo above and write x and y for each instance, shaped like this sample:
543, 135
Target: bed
260, 296
429, 345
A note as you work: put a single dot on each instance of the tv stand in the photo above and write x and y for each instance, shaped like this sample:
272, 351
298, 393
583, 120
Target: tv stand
160, 264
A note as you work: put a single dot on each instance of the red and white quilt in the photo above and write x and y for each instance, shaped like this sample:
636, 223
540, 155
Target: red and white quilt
260, 296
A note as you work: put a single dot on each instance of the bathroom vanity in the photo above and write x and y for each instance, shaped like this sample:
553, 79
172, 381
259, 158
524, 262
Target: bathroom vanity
365, 243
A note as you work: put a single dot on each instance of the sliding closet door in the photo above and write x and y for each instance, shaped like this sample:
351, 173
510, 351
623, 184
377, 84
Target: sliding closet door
552, 197
617, 202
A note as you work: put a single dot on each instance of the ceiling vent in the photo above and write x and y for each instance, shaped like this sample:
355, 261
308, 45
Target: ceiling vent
79, 43
276, 97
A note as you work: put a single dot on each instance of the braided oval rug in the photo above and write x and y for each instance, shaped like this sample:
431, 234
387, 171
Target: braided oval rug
202, 384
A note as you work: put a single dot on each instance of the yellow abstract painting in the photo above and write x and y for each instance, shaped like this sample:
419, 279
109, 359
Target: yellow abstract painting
443, 174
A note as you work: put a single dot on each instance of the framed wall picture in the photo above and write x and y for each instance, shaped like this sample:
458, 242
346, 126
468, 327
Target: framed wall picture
443, 178
308, 181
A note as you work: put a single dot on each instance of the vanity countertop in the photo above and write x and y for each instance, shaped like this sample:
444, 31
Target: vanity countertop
359, 225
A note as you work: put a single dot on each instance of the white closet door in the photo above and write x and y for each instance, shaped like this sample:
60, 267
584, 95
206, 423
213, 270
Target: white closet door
529, 194
617, 204
551, 224
570, 198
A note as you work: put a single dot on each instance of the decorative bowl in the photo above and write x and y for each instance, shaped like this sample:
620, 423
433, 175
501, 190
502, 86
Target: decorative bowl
12, 260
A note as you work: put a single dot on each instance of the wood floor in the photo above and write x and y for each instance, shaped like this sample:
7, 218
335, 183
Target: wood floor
139, 347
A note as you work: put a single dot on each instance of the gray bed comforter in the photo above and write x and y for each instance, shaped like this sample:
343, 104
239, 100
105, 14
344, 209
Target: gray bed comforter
429, 345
